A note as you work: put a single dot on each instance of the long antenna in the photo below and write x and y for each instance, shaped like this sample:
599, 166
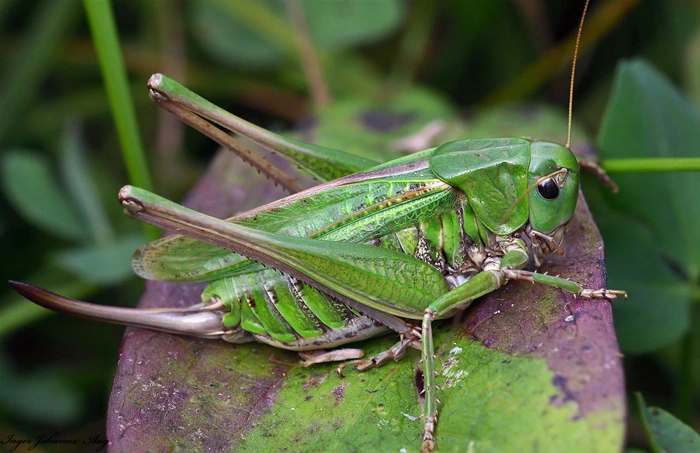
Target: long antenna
573, 74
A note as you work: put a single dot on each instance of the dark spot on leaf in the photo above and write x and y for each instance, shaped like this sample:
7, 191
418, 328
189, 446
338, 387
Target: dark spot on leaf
315, 380
179, 395
383, 121
308, 398
339, 393
470, 334
488, 342
419, 380
448, 363
560, 382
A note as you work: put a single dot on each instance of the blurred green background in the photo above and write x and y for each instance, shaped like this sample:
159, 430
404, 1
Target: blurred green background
62, 228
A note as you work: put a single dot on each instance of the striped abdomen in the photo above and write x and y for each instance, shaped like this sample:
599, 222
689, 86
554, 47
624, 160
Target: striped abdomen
280, 310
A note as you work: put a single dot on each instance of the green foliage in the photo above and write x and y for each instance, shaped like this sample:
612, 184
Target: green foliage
257, 34
43, 202
667, 433
648, 115
386, 401
44, 395
365, 128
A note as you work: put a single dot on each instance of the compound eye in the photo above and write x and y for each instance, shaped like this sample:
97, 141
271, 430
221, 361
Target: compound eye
548, 189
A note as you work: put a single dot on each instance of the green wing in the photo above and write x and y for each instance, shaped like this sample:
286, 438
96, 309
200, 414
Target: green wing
361, 275
354, 209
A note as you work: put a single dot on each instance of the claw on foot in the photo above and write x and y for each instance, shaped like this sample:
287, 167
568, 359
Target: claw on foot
359, 365
602, 293
396, 352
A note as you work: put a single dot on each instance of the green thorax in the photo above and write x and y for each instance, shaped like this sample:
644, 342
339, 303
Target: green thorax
501, 179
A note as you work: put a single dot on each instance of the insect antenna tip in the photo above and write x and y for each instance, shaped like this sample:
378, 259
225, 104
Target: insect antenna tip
573, 74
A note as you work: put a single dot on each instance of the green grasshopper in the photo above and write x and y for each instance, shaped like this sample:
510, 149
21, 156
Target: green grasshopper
376, 248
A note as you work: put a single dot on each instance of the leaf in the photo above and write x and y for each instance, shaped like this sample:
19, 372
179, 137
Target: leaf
81, 185
657, 311
44, 395
346, 23
541, 122
106, 264
261, 34
667, 433
412, 120
43, 202
233, 39
653, 213
526, 368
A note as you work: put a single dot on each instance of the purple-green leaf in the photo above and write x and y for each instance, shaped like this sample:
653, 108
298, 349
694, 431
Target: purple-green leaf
526, 367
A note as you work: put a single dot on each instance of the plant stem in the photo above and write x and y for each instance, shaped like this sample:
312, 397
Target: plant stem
41, 44
651, 164
106, 40
687, 365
